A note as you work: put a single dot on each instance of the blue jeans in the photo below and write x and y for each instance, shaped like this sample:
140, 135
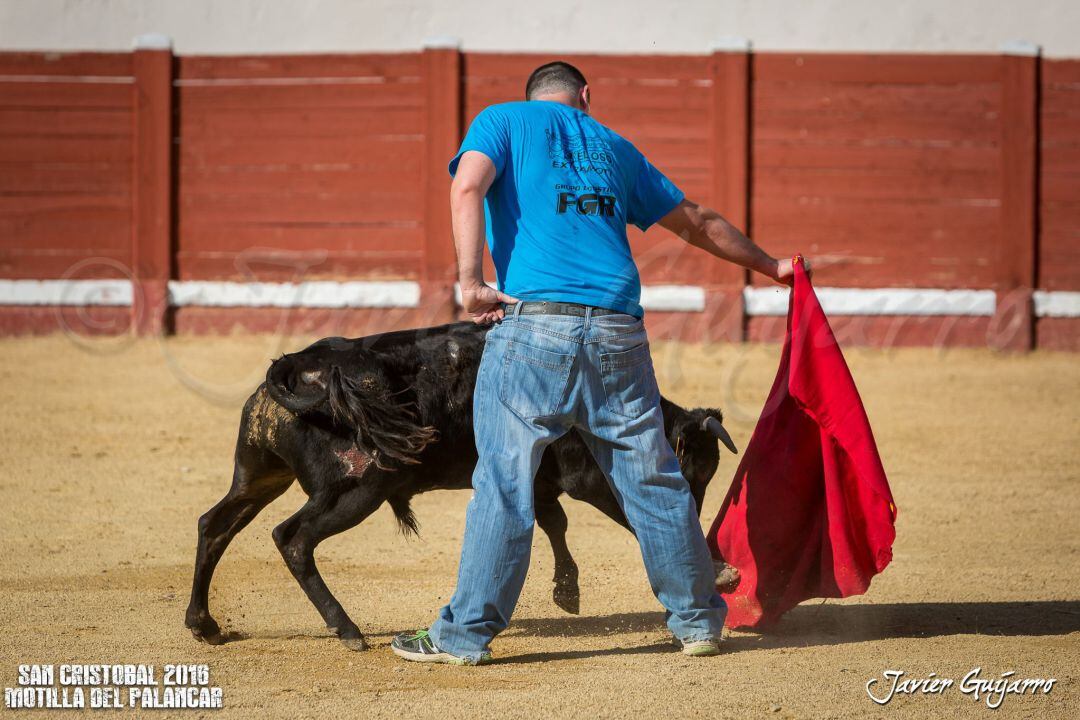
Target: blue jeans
540, 376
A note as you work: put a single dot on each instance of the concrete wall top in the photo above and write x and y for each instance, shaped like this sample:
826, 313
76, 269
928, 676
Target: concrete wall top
600, 26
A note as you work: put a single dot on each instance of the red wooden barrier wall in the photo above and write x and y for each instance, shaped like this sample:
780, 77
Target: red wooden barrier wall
65, 174
1059, 210
886, 169
891, 170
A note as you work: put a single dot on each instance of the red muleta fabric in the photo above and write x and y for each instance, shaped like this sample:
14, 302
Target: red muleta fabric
809, 513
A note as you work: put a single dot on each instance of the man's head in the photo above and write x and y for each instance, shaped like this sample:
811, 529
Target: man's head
561, 82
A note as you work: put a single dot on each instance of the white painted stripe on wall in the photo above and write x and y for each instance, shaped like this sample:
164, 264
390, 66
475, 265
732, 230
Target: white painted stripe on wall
1057, 304
877, 301
65, 292
310, 294
401, 293
673, 298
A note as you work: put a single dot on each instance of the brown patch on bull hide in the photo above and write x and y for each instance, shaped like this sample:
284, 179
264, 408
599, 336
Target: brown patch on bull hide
355, 462
266, 419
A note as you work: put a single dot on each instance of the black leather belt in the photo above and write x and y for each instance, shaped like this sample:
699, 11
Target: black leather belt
543, 307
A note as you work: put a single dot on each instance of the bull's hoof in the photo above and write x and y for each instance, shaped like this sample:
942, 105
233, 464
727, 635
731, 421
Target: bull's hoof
208, 632
567, 597
357, 644
727, 577
350, 636
202, 626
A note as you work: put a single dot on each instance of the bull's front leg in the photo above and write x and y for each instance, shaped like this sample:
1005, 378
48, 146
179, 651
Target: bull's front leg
552, 520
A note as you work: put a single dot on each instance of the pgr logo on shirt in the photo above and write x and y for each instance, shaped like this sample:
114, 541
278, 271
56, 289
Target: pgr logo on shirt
586, 204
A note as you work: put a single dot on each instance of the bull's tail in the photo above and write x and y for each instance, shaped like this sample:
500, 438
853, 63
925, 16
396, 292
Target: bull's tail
385, 428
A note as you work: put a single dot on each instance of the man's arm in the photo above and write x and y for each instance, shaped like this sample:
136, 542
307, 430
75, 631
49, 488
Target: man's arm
475, 174
706, 229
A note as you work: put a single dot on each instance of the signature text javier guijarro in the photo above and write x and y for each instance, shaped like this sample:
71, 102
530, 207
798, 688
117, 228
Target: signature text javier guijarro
991, 690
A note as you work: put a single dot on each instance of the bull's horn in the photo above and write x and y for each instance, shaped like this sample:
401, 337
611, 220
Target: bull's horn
717, 429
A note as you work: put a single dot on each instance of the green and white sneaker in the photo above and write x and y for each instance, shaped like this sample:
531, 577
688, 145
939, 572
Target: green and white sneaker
700, 648
419, 647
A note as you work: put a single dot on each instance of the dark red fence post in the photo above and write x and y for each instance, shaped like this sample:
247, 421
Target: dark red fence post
152, 221
1013, 324
730, 160
442, 134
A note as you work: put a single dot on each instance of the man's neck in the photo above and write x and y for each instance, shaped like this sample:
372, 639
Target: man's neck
561, 98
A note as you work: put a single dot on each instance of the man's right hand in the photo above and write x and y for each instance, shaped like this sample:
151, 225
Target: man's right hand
483, 302
785, 271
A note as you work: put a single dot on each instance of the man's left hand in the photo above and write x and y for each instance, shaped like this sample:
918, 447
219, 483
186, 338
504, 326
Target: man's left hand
484, 303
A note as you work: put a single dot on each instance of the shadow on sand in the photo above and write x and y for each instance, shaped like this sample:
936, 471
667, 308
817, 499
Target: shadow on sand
819, 624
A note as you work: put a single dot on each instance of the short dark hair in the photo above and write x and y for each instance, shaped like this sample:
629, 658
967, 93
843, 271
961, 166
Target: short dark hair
555, 76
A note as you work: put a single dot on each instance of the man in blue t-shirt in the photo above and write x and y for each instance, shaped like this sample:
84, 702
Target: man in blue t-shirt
552, 190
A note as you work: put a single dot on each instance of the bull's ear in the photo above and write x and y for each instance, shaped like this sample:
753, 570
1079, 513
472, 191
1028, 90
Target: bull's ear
716, 428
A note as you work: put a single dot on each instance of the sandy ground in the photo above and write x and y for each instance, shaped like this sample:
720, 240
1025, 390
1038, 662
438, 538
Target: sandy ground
113, 449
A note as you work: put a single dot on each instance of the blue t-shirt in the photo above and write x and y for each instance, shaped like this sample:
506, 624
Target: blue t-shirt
565, 189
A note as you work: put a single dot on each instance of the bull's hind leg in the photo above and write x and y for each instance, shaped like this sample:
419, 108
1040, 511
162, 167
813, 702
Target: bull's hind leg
258, 478
328, 512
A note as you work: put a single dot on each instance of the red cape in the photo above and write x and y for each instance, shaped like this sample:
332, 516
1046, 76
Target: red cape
809, 513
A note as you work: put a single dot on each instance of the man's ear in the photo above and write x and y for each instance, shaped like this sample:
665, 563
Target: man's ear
585, 98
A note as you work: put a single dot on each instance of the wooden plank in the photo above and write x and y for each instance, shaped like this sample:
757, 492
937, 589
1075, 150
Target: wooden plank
1059, 257
65, 178
61, 227
918, 69
877, 99
65, 94
925, 215
29, 149
315, 65
1061, 98
1055, 71
92, 321
17, 205
295, 122
314, 237
258, 98
299, 180
875, 184
40, 263
1059, 127
249, 266
374, 206
1061, 188
1062, 334
65, 122
897, 266
910, 156
887, 332
822, 127
66, 63
363, 152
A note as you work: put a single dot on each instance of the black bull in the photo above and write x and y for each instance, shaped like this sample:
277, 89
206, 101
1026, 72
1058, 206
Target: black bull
381, 419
